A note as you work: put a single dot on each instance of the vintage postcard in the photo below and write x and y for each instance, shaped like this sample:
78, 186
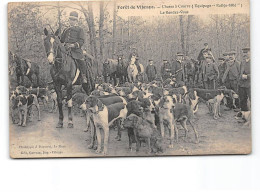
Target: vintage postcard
129, 78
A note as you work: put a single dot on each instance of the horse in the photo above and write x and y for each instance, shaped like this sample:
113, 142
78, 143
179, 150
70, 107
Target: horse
110, 70
115, 69
23, 68
122, 70
132, 70
141, 75
64, 71
189, 66
198, 72
135, 70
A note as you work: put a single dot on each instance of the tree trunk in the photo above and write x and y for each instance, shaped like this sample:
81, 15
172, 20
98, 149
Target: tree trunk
182, 34
92, 29
232, 31
217, 31
188, 35
114, 30
101, 32
59, 16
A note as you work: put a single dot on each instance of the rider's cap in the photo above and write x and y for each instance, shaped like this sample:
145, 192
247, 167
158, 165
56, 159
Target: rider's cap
246, 49
74, 15
179, 54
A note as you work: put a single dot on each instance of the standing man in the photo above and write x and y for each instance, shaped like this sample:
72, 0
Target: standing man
231, 75
221, 69
210, 73
178, 69
73, 37
244, 81
151, 71
166, 70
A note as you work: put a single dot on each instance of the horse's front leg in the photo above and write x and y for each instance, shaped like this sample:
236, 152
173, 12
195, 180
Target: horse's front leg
115, 81
22, 76
59, 101
37, 79
69, 99
18, 79
30, 78
134, 78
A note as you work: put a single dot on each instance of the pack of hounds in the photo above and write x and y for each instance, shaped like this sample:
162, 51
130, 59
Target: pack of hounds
151, 112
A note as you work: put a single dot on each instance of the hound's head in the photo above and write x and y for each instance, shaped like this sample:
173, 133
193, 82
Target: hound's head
147, 104
20, 101
21, 90
131, 121
166, 102
135, 107
93, 103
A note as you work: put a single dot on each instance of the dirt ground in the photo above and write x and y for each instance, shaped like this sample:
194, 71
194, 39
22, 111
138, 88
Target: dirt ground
42, 139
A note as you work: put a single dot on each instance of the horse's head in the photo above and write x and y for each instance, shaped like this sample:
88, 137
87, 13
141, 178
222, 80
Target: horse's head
51, 45
133, 59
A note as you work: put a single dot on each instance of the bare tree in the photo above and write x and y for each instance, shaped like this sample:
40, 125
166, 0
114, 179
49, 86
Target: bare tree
182, 33
114, 30
101, 30
188, 34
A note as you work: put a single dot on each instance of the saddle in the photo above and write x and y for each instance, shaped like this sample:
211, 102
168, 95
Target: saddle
68, 61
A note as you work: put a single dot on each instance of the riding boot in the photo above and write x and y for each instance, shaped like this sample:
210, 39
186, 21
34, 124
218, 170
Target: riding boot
82, 67
84, 79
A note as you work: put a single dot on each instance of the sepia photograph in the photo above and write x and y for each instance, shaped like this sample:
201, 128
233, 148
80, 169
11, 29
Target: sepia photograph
129, 78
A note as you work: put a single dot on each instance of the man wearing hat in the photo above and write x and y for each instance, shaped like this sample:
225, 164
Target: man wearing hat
73, 37
201, 65
225, 56
244, 80
151, 71
221, 69
210, 73
166, 70
178, 68
231, 74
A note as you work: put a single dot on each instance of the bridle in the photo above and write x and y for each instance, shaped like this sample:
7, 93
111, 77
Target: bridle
54, 52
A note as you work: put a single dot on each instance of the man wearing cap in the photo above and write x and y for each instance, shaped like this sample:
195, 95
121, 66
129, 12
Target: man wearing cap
202, 65
231, 74
73, 37
178, 68
166, 70
225, 56
221, 69
210, 73
151, 71
244, 80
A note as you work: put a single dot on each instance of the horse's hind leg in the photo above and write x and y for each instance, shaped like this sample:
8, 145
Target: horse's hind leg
59, 101
37, 79
69, 99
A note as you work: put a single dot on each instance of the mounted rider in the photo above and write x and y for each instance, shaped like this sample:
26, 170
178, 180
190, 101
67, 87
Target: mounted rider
73, 37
